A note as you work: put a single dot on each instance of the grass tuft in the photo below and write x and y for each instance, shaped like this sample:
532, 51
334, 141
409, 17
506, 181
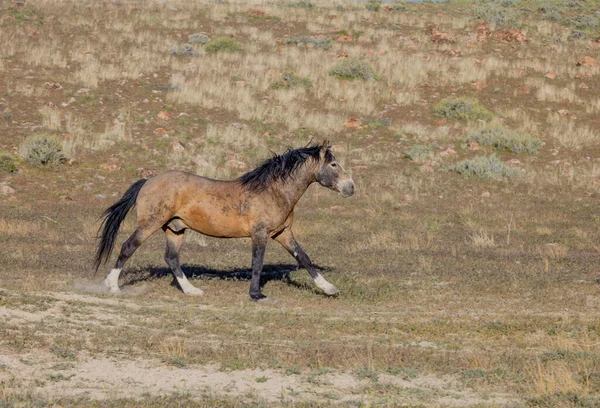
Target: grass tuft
352, 69
42, 149
418, 153
7, 164
304, 40
223, 44
291, 81
506, 140
485, 167
301, 4
462, 109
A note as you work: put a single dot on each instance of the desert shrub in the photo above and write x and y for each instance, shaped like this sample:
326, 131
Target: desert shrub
303, 40
198, 38
42, 149
352, 69
495, 14
418, 153
485, 167
223, 44
577, 35
301, 4
373, 5
551, 13
184, 50
399, 7
462, 109
584, 21
507, 140
291, 80
7, 164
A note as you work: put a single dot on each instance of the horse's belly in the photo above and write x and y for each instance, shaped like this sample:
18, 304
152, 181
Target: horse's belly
217, 224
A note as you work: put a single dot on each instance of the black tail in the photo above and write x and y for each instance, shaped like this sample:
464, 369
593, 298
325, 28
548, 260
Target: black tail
113, 217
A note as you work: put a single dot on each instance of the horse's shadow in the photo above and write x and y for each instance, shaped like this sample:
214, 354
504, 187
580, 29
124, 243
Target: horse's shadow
274, 272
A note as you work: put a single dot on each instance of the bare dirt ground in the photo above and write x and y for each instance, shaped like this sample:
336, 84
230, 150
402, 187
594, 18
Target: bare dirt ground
467, 261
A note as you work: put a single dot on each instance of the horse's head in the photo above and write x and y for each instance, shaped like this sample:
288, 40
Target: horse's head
332, 175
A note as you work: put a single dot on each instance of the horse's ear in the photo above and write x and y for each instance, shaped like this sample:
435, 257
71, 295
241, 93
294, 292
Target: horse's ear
324, 148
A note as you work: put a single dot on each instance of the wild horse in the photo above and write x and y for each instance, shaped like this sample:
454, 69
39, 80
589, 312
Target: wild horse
259, 204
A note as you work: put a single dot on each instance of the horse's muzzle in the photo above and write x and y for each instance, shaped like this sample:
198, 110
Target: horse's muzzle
347, 189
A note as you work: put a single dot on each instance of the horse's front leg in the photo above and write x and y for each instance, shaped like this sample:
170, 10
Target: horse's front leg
259, 243
287, 240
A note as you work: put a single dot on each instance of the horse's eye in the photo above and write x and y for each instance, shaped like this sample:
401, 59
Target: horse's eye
333, 164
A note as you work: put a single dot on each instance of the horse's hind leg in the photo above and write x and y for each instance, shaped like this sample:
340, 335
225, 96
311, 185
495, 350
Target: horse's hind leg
287, 240
174, 241
133, 242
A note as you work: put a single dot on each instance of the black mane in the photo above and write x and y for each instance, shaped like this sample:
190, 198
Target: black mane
281, 167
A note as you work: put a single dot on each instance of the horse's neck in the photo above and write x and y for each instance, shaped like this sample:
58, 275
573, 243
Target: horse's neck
292, 189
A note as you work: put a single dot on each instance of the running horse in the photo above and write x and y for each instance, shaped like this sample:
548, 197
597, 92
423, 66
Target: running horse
259, 204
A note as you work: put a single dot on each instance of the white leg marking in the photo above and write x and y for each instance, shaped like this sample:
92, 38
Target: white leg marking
188, 288
112, 281
327, 287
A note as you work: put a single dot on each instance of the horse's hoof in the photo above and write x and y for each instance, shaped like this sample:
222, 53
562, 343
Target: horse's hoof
327, 287
194, 292
266, 301
114, 291
332, 291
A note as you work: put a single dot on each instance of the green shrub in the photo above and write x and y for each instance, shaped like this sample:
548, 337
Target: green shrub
373, 5
495, 14
462, 109
399, 7
291, 80
583, 22
198, 38
418, 153
303, 40
507, 140
7, 164
485, 167
352, 69
223, 44
42, 149
301, 4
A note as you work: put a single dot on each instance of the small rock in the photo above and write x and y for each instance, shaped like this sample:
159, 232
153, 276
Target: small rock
550, 75
146, 172
236, 164
479, 85
83, 91
110, 166
513, 35
588, 61
452, 53
486, 194
164, 115
178, 147
524, 90
578, 76
200, 161
472, 145
438, 36
583, 86
352, 123
99, 196
514, 162
563, 112
6, 190
160, 131
241, 84
483, 32
53, 85
65, 198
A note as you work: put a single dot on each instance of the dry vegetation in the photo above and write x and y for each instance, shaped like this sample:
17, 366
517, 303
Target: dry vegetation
467, 262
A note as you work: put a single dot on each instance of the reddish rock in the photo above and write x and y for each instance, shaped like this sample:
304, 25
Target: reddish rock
110, 166
448, 152
341, 55
472, 145
483, 32
438, 36
352, 123
514, 162
479, 85
452, 53
513, 35
578, 76
588, 61
241, 84
583, 86
344, 38
164, 115
441, 122
550, 75
563, 112
144, 172
160, 131
6, 190
524, 90
53, 85
257, 12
